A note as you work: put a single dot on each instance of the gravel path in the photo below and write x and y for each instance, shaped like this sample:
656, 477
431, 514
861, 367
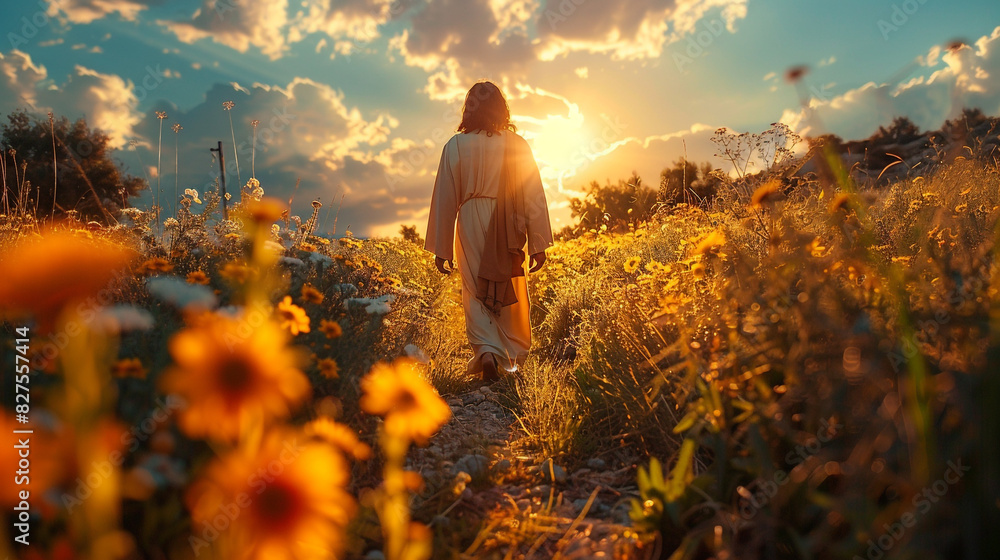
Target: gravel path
523, 506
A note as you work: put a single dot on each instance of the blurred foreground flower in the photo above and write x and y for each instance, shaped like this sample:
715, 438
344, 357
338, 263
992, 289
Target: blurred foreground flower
410, 405
43, 275
231, 373
289, 497
340, 436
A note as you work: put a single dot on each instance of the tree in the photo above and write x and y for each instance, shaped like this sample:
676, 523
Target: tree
614, 205
85, 179
685, 181
901, 131
410, 234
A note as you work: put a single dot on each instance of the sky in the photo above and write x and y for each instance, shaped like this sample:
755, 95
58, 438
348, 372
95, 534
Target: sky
355, 99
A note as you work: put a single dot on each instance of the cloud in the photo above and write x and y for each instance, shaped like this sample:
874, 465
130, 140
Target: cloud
310, 143
459, 41
271, 28
20, 77
87, 11
238, 24
107, 101
629, 29
356, 20
954, 79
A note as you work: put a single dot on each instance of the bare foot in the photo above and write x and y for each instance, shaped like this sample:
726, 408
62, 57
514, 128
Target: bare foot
490, 373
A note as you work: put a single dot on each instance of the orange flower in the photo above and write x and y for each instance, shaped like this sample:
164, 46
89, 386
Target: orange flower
156, 264
340, 436
41, 276
198, 277
292, 317
328, 368
765, 193
331, 329
290, 496
265, 210
311, 295
411, 407
235, 272
232, 374
129, 367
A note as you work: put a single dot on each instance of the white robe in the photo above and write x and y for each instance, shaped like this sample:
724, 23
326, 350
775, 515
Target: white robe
466, 187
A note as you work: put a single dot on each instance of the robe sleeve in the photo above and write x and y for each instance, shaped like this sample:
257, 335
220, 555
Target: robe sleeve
536, 207
444, 205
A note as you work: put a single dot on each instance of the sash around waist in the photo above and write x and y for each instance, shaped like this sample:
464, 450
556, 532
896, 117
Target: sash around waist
493, 198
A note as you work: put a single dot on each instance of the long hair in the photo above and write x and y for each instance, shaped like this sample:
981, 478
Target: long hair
485, 109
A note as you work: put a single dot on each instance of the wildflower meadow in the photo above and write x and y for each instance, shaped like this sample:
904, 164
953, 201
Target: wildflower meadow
801, 366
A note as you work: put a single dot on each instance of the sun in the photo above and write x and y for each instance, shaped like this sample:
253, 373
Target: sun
560, 144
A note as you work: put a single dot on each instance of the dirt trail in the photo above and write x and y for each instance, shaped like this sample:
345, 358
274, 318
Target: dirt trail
511, 496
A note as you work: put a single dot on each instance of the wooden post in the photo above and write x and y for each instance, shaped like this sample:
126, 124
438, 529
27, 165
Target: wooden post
222, 178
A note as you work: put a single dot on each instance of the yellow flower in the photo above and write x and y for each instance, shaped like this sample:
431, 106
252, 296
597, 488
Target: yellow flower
41, 276
307, 247
632, 264
292, 317
765, 193
656, 267
235, 272
129, 367
411, 407
350, 242
232, 237
698, 270
330, 328
328, 368
291, 498
311, 294
197, 277
231, 374
710, 243
156, 264
841, 201
340, 436
266, 210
